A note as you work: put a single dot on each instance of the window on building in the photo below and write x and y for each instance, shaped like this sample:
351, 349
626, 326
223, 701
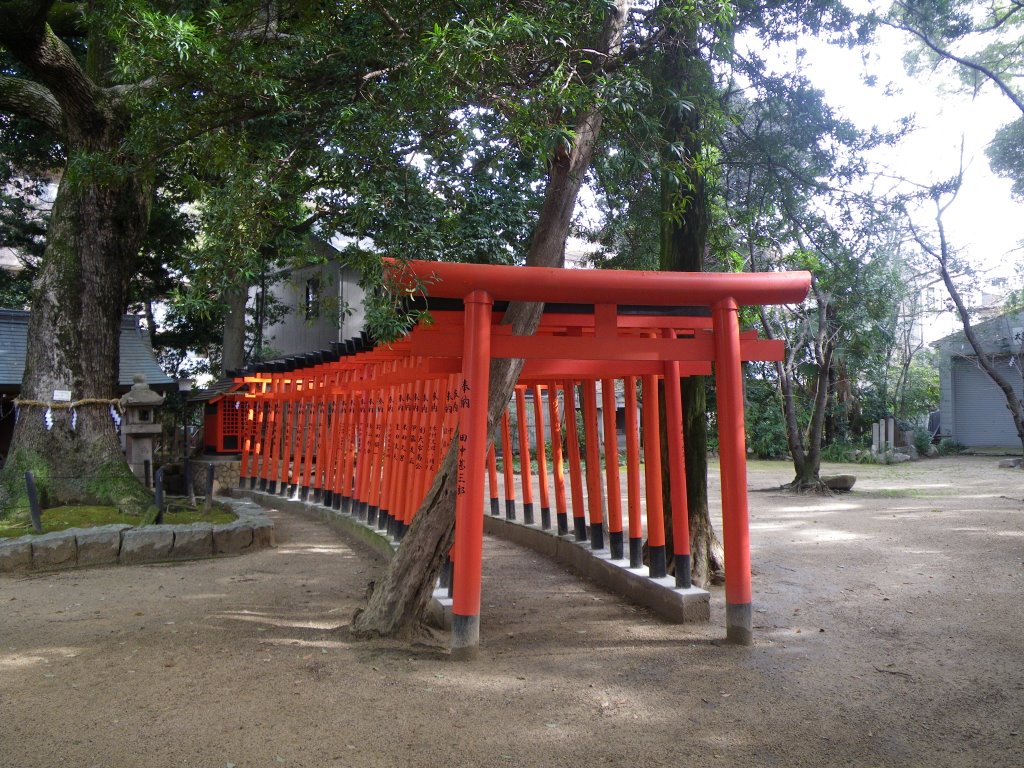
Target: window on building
312, 298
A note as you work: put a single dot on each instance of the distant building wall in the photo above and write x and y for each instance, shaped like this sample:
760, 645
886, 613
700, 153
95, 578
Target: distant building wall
973, 409
325, 304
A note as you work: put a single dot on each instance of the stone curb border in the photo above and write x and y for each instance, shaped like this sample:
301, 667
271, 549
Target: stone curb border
126, 545
660, 595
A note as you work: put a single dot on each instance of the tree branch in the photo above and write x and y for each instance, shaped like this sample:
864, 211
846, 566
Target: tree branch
391, 20
981, 69
999, 20
31, 100
50, 62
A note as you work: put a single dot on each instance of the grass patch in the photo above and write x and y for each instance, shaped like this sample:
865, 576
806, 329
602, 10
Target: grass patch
60, 518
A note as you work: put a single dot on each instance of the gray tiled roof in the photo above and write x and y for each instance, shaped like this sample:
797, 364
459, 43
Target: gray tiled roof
215, 390
136, 352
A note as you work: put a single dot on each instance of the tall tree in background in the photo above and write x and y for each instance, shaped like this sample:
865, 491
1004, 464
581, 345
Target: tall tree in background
691, 111
791, 164
680, 153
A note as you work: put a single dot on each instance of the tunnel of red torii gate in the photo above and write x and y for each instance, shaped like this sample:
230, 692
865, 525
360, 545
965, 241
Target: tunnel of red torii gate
365, 429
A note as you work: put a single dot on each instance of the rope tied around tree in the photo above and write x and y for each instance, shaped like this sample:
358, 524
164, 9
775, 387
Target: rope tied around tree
116, 409
115, 402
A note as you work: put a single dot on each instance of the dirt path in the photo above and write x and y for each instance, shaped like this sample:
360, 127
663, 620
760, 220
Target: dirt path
888, 632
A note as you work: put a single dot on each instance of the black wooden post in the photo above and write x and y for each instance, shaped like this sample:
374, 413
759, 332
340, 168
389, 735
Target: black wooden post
158, 481
186, 471
33, 503
209, 487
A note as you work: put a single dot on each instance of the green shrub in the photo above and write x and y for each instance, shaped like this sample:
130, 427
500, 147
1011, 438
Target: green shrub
766, 429
840, 450
949, 447
922, 441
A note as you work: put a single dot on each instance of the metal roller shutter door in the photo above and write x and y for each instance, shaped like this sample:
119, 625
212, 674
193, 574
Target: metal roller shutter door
981, 416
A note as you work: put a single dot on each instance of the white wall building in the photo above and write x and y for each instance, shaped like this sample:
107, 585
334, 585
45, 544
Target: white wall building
324, 303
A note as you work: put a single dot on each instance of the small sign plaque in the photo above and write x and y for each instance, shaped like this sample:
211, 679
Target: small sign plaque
62, 396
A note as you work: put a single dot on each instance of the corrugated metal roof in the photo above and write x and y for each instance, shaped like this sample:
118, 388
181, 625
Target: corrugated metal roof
136, 351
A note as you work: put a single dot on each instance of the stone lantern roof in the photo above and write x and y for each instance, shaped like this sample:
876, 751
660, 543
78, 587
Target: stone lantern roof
140, 395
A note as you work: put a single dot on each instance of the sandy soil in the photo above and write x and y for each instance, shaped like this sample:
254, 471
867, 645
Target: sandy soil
888, 633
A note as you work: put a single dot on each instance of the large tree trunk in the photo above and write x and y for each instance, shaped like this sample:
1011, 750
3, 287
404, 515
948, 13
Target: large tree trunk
807, 463
98, 221
806, 449
684, 235
73, 346
397, 604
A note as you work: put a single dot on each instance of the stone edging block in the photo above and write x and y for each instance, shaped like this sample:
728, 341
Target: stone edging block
232, 538
192, 541
146, 545
55, 550
99, 546
113, 544
16, 554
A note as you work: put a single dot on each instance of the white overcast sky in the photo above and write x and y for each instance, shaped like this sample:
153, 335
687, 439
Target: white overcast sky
985, 222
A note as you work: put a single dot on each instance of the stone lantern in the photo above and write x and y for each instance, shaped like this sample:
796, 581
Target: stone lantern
140, 426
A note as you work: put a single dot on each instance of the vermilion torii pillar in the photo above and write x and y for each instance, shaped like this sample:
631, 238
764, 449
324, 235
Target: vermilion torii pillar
472, 464
732, 451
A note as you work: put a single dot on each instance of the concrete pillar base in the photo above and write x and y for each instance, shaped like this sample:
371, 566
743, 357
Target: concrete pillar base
465, 637
739, 623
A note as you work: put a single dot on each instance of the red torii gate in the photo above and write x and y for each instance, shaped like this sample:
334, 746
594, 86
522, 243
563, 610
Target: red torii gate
479, 286
383, 405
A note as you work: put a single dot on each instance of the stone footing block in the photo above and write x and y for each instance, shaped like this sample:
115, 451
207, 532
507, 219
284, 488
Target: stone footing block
146, 544
54, 550
99, 546
192, 541
232, 538
660, 595
15, 555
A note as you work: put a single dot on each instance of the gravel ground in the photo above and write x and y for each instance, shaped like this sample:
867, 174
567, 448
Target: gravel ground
888, 632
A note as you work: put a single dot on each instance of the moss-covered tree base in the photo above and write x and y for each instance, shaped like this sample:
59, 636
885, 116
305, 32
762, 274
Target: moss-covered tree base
75, 460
